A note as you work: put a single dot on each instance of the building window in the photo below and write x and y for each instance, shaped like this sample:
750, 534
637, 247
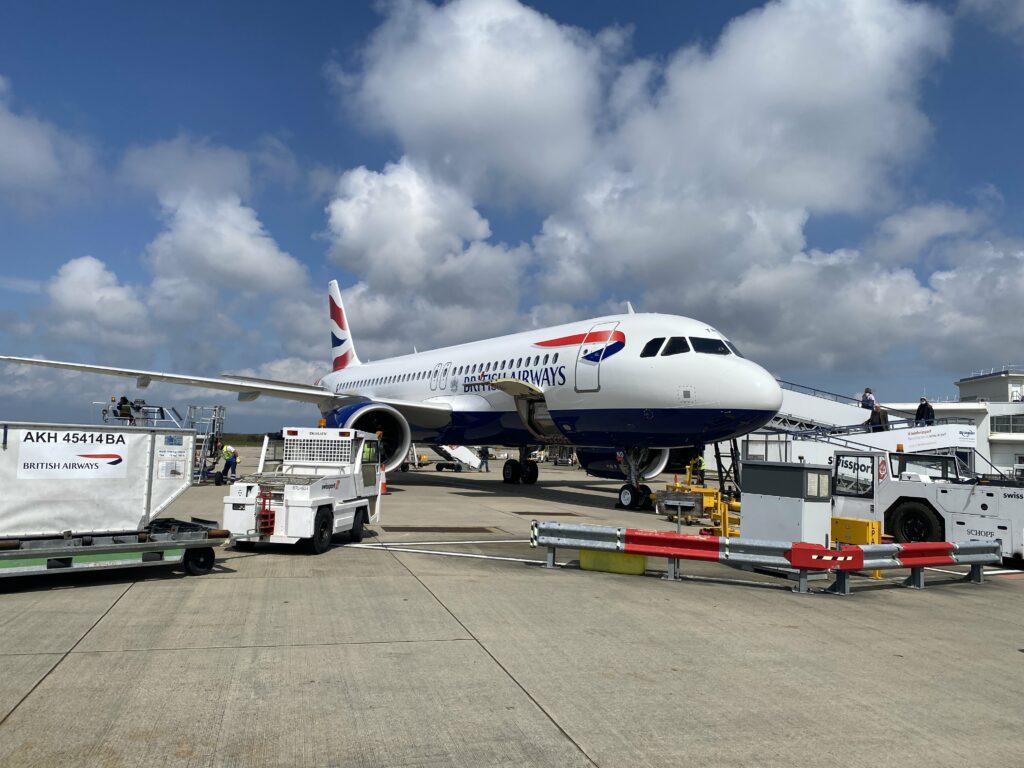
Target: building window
1013, 423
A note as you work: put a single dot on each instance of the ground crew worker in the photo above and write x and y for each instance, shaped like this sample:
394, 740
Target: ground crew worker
124, 410
701, 467
230, 462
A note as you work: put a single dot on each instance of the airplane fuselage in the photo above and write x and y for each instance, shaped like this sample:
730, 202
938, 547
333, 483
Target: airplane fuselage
604, 382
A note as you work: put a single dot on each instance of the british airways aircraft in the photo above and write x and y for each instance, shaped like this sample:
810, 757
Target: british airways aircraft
639, 389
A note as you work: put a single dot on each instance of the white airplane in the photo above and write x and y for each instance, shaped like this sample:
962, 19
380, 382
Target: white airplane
632, 388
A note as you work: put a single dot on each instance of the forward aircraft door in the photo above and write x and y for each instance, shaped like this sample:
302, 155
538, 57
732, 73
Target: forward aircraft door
588, 359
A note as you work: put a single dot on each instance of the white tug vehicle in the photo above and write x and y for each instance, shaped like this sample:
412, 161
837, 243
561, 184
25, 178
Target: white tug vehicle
929, 497
310, 485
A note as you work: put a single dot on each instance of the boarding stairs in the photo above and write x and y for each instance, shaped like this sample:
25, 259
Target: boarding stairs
208, 422
458, 453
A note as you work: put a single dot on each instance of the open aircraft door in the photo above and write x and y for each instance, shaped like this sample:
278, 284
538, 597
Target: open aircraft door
592, 351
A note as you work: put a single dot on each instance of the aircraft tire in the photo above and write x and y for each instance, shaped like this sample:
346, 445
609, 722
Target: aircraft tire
629, 496
511, 472
531, 472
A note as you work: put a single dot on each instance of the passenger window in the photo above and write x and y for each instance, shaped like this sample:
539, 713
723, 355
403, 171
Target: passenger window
545, 359
675, 346
651, 347
555, 358
536, 360
709, 346
519, 363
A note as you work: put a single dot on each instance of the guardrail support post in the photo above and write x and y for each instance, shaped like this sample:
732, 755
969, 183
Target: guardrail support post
916, 578
977, 574
551, 558
802, 585
672, 570
841, 585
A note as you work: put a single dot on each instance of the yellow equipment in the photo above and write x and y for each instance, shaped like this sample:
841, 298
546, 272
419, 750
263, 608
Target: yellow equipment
853, 530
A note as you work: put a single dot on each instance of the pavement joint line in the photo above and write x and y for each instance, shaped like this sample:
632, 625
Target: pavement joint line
272, 645
67, 653
501, 666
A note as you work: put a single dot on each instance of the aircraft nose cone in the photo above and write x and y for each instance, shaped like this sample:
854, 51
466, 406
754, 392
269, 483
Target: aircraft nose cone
765, 391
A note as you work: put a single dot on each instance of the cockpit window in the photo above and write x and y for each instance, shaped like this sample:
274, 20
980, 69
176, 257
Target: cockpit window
651, 347
709, 346
676, 346
735, 351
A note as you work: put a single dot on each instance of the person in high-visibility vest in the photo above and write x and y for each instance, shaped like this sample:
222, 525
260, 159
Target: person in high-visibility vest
700, 468
230, 462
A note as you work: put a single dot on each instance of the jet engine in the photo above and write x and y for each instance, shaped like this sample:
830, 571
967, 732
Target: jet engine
605, 462
374, 417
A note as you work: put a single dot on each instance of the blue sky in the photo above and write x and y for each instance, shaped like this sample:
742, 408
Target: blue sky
837, 186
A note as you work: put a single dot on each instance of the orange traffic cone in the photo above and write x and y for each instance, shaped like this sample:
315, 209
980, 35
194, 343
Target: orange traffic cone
383, 483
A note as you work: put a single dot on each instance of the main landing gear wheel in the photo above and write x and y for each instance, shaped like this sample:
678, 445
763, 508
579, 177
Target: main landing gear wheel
511, 471
531, 472
629, 496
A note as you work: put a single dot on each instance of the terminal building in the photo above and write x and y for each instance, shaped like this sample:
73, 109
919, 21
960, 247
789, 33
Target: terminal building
994, 401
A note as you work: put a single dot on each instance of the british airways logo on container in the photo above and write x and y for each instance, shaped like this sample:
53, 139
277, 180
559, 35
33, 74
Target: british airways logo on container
605, 343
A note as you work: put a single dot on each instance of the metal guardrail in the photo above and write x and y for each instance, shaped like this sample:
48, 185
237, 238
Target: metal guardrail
800, 558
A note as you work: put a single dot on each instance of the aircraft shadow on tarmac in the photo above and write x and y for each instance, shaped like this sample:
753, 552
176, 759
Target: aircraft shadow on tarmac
601, 497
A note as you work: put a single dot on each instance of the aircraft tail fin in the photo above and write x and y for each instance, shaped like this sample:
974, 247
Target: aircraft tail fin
343, 350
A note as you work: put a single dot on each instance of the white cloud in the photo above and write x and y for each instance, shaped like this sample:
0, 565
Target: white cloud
904, 236
421, 249
39, 163
1004, 16
488, 93
88, 305
394, 225
220, 242
185, 167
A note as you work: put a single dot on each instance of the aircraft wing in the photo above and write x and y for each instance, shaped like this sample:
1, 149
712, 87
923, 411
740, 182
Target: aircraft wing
427, 414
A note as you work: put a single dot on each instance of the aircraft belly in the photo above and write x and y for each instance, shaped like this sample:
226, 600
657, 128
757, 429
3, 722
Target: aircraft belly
609, 427
660, 427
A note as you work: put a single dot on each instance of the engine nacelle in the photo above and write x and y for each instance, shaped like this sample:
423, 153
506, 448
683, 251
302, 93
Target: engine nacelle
607, 464
374, 417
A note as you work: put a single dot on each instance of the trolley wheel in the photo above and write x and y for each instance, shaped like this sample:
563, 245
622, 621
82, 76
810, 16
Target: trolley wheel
530, 472
323, 531
404, 467
199, 560
439, 466
244, 546
511, 471
629, 496
457, 467
356, 534
915, 522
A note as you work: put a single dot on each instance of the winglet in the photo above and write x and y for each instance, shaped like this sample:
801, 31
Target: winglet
629, 308
343, 351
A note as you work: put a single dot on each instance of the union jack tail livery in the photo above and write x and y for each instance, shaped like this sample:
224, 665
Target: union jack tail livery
343, 351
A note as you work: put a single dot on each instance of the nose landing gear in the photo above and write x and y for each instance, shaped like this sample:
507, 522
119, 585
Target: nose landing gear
634, 494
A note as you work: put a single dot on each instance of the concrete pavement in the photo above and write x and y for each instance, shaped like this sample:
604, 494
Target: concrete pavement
371, 657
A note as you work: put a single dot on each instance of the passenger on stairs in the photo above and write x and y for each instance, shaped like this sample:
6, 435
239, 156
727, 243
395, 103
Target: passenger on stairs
925, 415
867, 400
878, 420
